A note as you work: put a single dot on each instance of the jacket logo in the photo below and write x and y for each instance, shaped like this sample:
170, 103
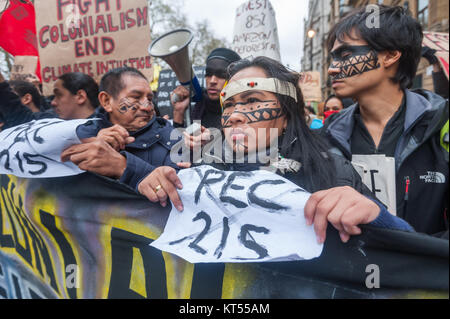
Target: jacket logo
433, 177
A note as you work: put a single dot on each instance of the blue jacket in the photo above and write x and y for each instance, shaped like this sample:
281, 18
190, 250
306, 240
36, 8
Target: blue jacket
150, 149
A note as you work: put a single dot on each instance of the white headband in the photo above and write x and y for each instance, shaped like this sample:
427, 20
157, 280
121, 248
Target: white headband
261, 84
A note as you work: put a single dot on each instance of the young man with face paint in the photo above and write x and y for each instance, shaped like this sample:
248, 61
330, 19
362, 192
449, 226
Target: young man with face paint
375, 66
208, 109
126, 141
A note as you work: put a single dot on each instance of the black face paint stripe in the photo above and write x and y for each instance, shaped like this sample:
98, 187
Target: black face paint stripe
355, 65
255, 116
246, 103
125, 105
353, 49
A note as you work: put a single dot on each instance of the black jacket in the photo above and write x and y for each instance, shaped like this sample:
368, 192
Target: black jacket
419, 158
150, 149
345, 175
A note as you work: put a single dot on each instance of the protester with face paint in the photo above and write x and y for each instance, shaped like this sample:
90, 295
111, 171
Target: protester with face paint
208, 109
264, 97
376, 66
126, 140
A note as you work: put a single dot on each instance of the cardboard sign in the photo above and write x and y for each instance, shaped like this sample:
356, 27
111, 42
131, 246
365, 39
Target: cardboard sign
24, 68
92, 37
439, 42
311, 86
167, 83
378, 174
239, 217
255, 30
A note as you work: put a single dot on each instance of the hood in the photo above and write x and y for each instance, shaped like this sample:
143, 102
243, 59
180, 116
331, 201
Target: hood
418, 104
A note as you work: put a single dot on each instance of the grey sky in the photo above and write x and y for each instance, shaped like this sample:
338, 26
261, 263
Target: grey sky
289, 13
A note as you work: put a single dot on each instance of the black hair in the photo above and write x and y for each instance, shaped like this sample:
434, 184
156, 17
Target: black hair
299, 142
332, 96
112, 81
311, 110
397, 31
24, 87
75, 81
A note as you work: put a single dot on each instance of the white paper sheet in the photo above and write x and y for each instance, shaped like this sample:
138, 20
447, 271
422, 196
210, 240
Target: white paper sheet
33, 149
378, 174
237, 217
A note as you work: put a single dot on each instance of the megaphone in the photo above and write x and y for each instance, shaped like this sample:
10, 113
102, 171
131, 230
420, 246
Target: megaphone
173, 48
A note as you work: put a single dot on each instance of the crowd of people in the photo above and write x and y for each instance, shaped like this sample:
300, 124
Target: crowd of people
371, 68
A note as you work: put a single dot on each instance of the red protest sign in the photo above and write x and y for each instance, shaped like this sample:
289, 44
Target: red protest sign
18, 29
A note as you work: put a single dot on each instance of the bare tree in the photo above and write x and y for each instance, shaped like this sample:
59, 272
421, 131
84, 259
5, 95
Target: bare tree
167, 15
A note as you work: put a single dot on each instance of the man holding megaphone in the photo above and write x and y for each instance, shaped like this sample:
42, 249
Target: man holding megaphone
208, 109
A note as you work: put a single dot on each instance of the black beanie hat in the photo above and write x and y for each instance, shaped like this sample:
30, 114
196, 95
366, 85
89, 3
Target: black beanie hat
224, 54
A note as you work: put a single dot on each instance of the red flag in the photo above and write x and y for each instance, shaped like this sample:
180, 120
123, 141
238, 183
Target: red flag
18, 30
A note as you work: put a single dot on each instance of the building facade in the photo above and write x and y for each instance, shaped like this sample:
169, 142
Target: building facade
323, 14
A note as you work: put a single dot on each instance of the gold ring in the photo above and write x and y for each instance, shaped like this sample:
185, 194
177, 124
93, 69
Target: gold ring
157, 188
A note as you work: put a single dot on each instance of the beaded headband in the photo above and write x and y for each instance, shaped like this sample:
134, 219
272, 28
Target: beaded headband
261, 84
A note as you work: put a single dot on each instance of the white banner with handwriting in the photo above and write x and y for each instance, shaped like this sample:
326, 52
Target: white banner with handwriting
33, 149
236, 217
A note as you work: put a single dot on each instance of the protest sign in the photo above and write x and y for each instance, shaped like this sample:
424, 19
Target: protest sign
92, 37
378, 174
86, 236
255, 30
34, 149
167, 83
24, 68
439, 42
239, 217
311, 86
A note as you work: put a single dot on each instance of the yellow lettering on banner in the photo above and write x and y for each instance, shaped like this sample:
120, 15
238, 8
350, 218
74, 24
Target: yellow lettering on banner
104, 262
236, 279
179, 274
12, 207
46, 202
137, 281
117, 219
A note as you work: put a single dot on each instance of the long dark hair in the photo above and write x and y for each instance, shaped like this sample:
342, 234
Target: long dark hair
299, 142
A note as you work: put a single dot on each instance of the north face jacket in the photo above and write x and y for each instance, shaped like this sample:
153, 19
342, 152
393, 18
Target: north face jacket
421, 162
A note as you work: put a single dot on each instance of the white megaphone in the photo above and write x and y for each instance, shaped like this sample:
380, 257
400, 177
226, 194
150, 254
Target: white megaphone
172, 47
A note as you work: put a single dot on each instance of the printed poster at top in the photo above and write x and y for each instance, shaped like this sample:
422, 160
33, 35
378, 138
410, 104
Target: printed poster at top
92, 37
255, 30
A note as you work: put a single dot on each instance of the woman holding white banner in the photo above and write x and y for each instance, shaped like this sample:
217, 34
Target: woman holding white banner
263, 98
